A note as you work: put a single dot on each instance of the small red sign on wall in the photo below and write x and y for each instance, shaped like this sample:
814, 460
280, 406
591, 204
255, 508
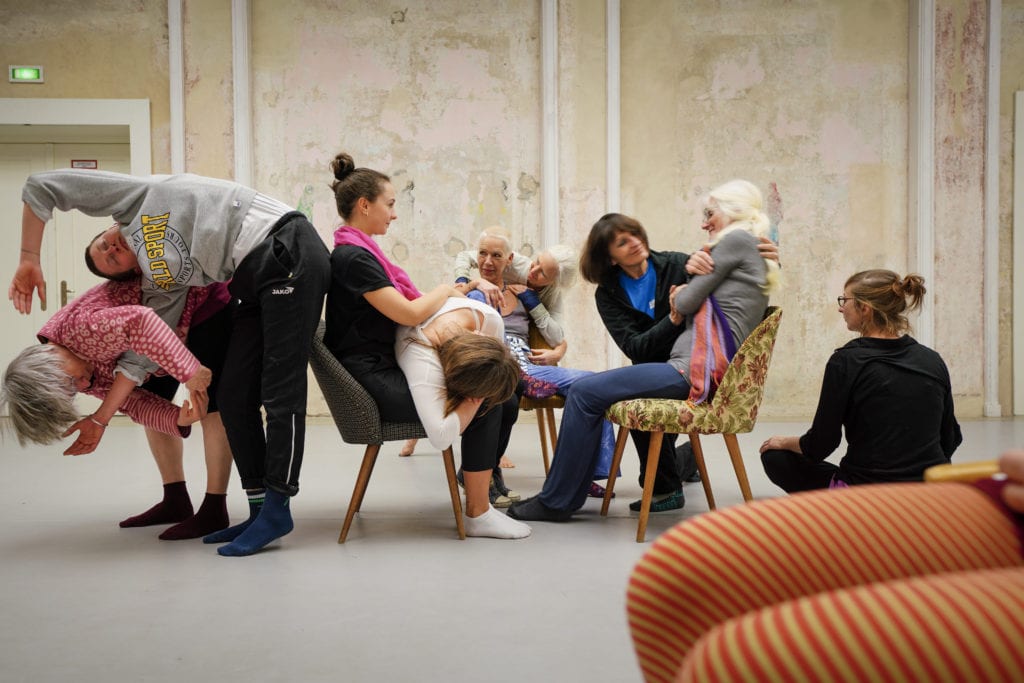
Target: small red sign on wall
84, 163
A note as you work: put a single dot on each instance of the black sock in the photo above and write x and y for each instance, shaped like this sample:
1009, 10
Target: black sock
175, 507
211, 516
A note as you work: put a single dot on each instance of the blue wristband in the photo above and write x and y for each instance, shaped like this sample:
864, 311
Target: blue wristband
461, 280
530, 299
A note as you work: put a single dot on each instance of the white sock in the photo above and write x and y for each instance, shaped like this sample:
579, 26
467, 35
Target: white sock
493, 524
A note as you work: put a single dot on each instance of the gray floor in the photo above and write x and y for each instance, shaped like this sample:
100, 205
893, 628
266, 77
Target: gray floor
402, 600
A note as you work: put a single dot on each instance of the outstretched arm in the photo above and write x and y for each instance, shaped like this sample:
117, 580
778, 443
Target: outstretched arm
90, 429
28, 277
393, 305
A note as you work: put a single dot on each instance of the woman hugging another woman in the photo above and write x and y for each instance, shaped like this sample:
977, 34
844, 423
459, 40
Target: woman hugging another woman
462, 384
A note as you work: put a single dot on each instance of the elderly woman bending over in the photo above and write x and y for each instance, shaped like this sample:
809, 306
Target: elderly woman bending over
81, 345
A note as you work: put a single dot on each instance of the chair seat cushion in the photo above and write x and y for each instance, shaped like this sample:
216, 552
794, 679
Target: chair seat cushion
674, 416
650, 415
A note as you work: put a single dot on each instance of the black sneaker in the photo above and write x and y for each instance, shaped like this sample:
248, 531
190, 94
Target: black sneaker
498, 482
497, 499
663, 503
686, 464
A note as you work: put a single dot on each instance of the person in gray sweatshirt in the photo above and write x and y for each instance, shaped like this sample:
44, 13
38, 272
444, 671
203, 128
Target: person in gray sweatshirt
179, 231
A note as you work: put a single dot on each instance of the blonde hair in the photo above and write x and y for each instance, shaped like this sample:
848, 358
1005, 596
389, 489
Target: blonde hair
476, 366
885, 293
39, 395
742, 202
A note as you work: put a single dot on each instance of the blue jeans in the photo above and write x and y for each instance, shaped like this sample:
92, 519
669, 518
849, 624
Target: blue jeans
564, 378
578, 450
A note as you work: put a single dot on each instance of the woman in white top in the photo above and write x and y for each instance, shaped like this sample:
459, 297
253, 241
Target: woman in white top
538, 284
463, 379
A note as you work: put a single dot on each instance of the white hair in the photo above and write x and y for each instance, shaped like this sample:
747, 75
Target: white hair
496, 232
741, 201
565, 258
39, 395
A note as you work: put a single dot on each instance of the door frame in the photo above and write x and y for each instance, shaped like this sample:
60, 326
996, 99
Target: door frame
74, 112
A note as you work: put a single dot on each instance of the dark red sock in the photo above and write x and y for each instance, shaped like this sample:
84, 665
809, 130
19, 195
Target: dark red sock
212, 516
175, 507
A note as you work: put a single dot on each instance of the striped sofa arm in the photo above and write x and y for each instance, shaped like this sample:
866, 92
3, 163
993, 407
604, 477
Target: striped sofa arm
724, 564
954, 626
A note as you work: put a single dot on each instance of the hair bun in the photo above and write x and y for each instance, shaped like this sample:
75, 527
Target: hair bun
342, 165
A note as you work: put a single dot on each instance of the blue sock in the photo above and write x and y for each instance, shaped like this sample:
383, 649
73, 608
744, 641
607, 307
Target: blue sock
232, 532
273, 522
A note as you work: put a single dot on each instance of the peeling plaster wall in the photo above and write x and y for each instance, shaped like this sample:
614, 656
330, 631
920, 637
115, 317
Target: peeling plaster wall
443, 96
104, 49
1012, 80
808, 97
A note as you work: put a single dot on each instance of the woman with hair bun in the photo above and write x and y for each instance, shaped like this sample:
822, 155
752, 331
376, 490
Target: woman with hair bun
454, 382
889, 394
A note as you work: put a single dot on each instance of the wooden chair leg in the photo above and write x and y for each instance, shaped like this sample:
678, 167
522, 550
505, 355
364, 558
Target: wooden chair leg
609, 489
365, 470
737, 464
369, 473
552, 435
543, 439
653, 456
453, 489
698, 454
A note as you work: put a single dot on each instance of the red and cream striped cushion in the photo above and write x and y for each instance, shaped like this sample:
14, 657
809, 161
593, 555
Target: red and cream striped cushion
721, 565
955, 626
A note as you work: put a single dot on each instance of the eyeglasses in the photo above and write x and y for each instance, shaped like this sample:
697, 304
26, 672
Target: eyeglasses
841, 300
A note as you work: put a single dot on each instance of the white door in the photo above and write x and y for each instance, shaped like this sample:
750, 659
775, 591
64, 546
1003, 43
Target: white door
64, 239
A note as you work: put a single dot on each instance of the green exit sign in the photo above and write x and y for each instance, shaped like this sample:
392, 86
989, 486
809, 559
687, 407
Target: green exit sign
25, 74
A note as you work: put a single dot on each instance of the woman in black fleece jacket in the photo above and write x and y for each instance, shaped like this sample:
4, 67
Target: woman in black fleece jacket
891, 395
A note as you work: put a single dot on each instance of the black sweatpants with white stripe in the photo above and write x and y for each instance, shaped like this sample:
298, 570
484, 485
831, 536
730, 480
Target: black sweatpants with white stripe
280, 285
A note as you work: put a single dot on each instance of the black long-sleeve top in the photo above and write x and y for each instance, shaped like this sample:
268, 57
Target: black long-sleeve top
894, 400
642, 338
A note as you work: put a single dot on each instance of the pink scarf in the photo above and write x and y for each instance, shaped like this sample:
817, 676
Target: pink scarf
346, 234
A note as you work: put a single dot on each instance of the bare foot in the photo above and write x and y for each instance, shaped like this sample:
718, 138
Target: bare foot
506, 463
408, 448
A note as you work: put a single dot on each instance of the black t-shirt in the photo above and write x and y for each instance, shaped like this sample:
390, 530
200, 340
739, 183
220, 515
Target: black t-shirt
354, 328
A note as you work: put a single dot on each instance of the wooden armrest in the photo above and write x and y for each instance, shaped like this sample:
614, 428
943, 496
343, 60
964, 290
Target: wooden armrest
962, 471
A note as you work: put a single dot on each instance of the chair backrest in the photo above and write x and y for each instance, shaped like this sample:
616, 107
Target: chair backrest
353, 409
738, 398
536, 339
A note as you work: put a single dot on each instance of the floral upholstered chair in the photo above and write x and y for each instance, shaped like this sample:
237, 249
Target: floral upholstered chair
732, 411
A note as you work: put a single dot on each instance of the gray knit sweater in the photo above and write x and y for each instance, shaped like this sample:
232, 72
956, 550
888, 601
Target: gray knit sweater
737, 284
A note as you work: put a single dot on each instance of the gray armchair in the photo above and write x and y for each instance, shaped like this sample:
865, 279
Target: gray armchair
358, 420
